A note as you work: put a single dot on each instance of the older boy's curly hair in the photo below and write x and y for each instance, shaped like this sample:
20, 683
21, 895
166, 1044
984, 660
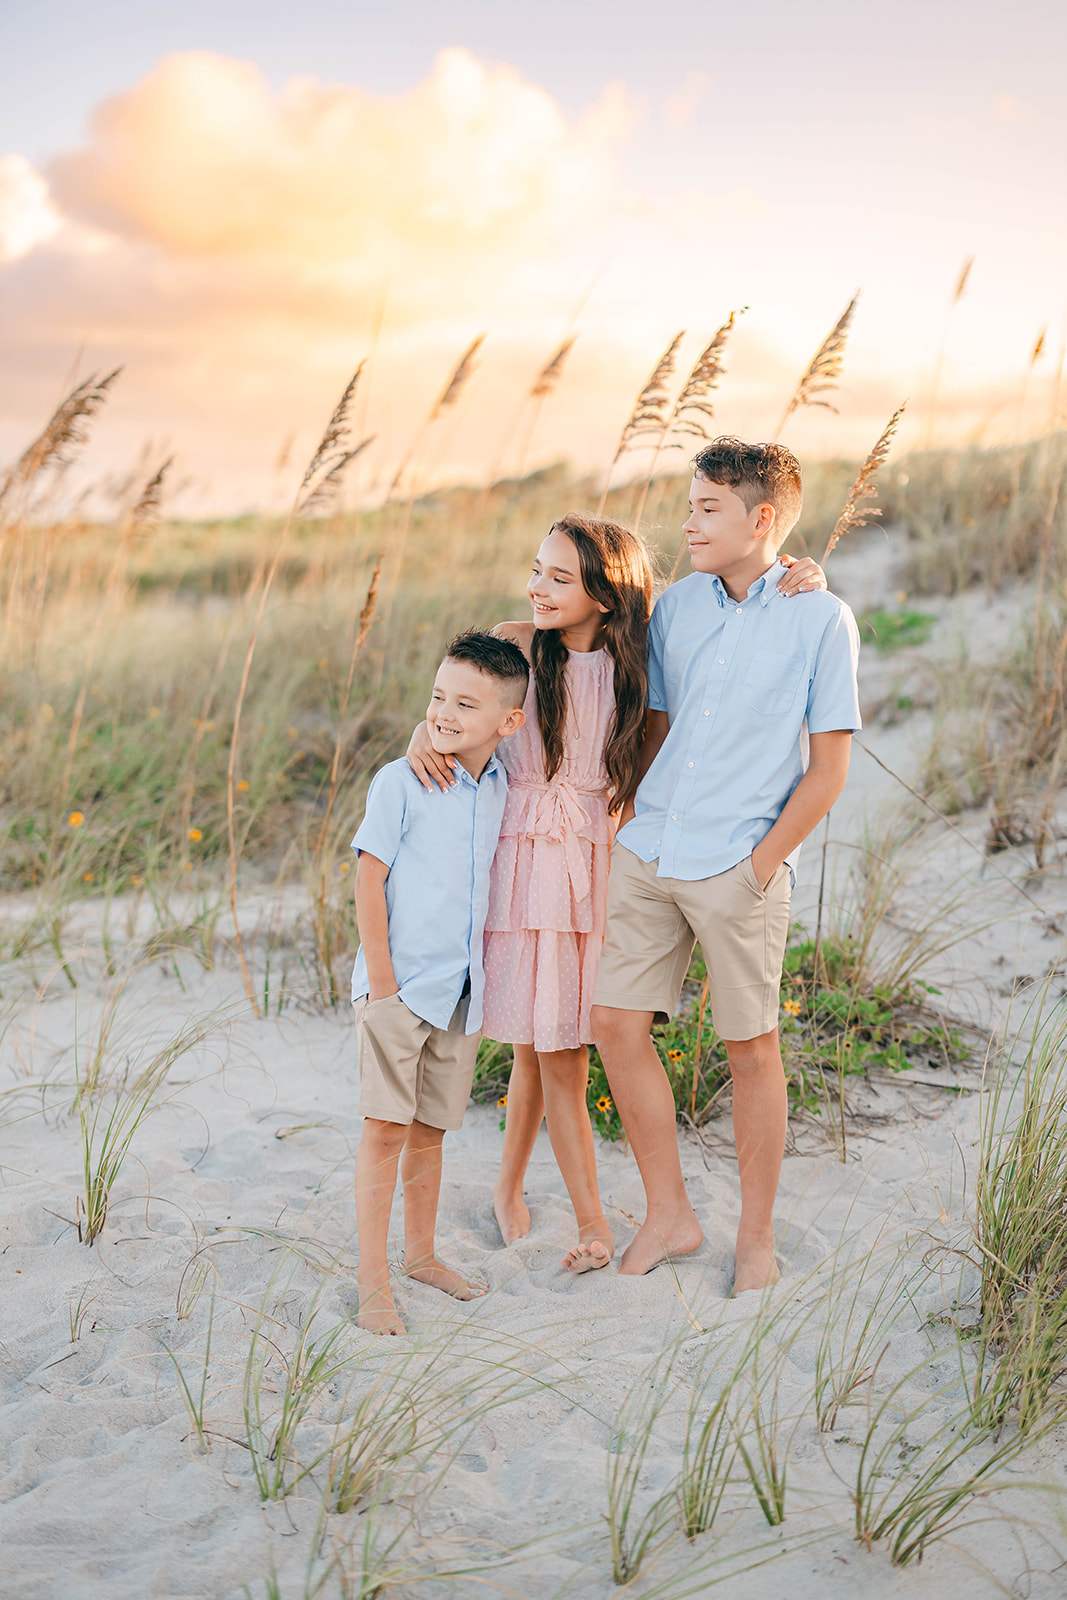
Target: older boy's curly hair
757, 473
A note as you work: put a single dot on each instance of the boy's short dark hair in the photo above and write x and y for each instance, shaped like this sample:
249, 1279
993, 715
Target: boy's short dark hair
497, 658
756, 473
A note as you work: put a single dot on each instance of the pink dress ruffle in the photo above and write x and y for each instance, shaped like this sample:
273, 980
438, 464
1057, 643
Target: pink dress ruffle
548, 887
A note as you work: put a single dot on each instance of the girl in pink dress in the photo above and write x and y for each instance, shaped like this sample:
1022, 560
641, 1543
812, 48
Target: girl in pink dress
571, 769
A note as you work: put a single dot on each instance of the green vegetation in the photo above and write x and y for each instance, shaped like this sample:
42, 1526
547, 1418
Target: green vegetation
895, 630
834, 1026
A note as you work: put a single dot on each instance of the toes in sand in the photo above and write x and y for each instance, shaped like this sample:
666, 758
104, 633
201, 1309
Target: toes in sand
589, 1257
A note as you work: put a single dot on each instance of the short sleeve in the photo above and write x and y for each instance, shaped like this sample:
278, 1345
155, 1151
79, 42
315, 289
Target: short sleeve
656, 699
383, 819
833, 694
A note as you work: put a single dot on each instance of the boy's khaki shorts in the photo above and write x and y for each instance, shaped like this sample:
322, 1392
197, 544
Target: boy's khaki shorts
410, 1071
653, 924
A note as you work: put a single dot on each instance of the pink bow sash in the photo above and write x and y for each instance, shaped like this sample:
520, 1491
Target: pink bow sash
557, 813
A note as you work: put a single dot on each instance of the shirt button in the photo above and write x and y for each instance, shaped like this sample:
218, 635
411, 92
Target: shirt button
722, 663
739, 611
674, 816
690, 764
707, 713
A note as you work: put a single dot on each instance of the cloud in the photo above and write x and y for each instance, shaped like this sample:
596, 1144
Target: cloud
27, 215
234, 245
203, 159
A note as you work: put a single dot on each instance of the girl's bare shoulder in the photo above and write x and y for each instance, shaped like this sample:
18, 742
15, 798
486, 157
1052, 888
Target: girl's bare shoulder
520, 633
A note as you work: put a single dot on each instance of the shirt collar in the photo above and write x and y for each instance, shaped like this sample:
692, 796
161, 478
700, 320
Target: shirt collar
492, 767
765, 586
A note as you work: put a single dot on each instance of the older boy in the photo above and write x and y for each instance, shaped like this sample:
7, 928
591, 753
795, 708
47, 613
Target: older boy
422, 886
739, 682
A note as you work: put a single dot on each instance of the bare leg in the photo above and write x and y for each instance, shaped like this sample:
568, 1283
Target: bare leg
645, 1103
376, 1164
760, 1108
564, 1081
421, 1172
522, 1123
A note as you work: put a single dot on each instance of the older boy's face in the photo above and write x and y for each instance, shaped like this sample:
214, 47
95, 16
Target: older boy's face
721, 530
466, 709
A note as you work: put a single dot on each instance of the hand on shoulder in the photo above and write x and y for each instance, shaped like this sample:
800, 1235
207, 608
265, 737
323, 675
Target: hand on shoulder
520, 633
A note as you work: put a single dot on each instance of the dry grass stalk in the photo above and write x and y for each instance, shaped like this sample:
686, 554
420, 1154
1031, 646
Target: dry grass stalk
366, 617
935, 383
855, 513
545, 383
66, 432
456, 384
552, 371
324, 464
650, 411
961, 283
145, 514
692, 408
824, 369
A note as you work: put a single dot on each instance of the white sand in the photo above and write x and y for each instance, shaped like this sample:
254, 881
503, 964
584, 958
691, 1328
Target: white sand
246, 1167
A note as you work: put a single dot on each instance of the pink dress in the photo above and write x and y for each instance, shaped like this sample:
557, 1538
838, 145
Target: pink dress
548, 887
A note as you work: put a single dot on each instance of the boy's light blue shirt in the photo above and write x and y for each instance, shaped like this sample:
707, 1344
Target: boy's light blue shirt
742, 683
438, 848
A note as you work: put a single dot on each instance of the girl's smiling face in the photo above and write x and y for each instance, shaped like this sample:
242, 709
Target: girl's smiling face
556, 590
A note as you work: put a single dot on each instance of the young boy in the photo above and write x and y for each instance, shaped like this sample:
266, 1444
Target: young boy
752, 703
422, 886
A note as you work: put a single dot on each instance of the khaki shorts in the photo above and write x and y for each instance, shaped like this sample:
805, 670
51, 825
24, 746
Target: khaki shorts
410, 1071
653, 924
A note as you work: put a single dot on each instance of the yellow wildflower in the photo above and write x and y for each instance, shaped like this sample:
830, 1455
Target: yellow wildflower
195, 835
75, 819
242, 785
502, 1102
791, 1008
605, 1103
87, 877
675, 1055
136, 881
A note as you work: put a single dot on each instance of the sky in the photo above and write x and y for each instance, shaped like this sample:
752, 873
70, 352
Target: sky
240, 202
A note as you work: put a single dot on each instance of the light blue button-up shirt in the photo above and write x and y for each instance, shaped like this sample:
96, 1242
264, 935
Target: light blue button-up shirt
743, 683
438, 847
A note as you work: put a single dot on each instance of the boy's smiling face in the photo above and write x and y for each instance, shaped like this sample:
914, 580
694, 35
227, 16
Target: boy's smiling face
724, 535
467, 713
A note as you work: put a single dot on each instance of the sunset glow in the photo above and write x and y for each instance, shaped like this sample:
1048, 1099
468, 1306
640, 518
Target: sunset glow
240, 244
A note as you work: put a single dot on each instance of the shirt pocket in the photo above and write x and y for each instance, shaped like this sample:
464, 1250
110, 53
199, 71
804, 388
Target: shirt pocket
772, 682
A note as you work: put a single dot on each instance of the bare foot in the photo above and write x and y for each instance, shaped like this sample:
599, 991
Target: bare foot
447, 1279
377, 1313
594, 1249
512, 1216
755, 1267
659, 1241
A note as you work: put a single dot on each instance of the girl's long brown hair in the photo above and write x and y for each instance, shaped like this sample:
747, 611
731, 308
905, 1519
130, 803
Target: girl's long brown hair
615, 571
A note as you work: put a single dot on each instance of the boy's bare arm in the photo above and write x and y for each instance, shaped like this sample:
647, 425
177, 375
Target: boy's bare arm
812, 798
373, 917
657, 727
